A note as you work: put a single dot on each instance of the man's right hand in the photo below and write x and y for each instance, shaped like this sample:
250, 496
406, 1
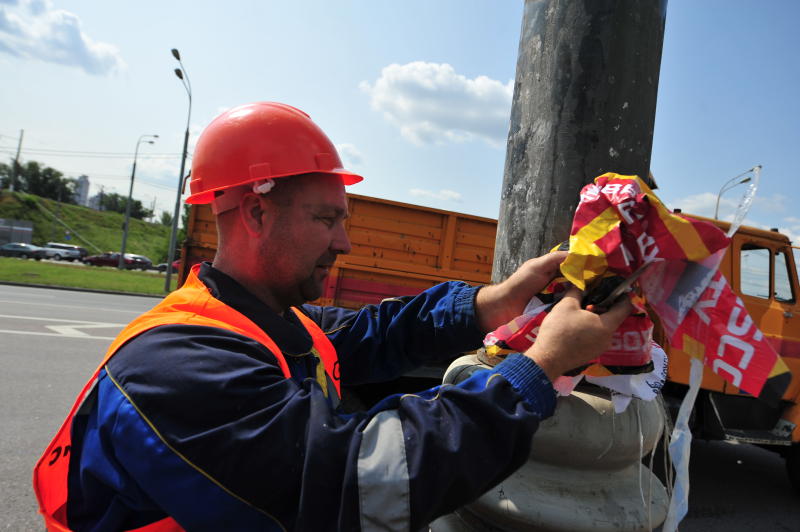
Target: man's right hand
570, 336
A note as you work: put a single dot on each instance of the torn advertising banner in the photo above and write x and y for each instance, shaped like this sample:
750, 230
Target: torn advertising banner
620, 225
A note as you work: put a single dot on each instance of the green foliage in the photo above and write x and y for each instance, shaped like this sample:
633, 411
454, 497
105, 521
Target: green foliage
5, 175
115, 202
43, 181
166, 218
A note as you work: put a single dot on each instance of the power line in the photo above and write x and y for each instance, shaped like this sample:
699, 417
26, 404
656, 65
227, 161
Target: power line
88, 155
90, 152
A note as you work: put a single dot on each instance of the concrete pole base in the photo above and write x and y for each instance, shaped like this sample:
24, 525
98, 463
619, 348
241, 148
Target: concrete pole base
584, 472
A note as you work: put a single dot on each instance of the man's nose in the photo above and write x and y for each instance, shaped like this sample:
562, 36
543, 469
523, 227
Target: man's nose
341, 242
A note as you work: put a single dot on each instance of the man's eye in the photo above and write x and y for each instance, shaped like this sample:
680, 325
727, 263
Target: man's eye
327, 220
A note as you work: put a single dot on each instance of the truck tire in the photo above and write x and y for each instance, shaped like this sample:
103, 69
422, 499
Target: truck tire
793, 466
23, 256
56, 257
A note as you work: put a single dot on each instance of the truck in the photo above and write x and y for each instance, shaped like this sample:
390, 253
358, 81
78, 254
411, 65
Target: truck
399, 249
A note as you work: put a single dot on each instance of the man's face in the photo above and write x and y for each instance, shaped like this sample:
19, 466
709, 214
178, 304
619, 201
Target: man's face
304, 234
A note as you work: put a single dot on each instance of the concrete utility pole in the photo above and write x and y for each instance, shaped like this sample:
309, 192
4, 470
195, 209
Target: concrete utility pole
584, 104
16, 162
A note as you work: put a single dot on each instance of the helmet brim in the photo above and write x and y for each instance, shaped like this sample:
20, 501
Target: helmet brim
207, 196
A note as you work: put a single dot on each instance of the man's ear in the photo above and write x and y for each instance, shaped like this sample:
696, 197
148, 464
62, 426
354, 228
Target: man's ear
251, 213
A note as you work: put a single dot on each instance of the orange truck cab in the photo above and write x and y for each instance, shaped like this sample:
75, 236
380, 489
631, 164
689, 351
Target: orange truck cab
401, 249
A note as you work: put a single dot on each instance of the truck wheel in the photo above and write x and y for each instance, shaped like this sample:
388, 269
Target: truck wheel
23, 255
56, 257
793, 465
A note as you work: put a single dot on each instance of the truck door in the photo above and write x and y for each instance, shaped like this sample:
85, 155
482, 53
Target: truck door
766, 279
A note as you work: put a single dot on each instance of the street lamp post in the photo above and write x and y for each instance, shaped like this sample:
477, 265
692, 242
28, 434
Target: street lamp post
733, 182
121, 263
184, 77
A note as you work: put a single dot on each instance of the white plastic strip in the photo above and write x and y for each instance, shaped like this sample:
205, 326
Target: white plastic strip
679, 450
746, 201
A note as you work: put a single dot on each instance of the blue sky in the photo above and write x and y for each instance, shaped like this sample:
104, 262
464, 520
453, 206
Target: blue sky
416, 94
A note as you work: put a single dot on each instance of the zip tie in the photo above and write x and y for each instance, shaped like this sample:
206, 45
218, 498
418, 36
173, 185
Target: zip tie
262, 187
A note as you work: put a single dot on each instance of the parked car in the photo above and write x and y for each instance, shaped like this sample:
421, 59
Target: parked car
58, 251
82, 252
139, 261
162, 267
22, 250
109, 258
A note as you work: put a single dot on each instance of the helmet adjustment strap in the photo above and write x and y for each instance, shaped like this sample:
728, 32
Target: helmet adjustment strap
229, 198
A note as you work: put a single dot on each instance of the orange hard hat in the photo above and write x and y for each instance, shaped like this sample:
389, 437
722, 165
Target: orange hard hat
259, 141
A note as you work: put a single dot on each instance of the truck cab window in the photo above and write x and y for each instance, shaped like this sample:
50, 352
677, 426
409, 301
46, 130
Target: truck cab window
783, 278
754, 271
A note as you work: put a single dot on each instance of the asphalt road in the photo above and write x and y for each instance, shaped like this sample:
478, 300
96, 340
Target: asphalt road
51, 341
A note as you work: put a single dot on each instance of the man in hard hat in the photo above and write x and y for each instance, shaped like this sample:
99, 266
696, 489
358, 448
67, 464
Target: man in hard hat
217, 409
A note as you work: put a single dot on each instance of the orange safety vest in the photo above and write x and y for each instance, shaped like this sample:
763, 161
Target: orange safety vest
192, 304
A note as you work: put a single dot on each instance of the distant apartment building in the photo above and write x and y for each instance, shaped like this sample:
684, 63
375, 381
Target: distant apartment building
82, 190
94, 201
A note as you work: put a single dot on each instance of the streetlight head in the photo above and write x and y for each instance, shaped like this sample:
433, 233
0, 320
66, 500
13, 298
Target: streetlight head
151, 142
179, 73
176, 54
155, 136
745, 180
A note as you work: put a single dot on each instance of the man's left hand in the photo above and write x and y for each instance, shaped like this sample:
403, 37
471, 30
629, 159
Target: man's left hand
498, 304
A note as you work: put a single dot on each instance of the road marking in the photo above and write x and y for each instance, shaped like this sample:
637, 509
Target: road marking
59, 320
28, 333
70, 306
72, 330
68, 331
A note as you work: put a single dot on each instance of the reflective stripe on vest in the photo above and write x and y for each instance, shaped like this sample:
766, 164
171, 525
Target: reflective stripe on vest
192, 304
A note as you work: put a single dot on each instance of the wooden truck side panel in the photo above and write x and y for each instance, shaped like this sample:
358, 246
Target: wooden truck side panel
397, 249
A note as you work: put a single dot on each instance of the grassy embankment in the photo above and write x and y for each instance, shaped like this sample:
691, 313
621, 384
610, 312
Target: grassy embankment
94, 230
79, 276
97, 231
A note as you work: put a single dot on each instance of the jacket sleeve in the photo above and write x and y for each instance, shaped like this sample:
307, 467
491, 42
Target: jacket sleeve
381, 342
202, 424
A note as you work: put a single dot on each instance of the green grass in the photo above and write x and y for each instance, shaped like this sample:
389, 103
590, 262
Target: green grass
97, 231
79, 276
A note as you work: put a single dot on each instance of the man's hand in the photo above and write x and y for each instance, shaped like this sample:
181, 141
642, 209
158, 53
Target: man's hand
570, 336
498, 304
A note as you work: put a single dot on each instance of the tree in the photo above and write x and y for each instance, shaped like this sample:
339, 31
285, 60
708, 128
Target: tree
166, 219
35, 178
47, 182
5, 175
116, 202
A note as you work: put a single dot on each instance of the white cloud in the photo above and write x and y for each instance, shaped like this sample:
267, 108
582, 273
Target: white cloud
774, 203
790, 226
704, 205
431, 103
441, 195
350, 155
33, 29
